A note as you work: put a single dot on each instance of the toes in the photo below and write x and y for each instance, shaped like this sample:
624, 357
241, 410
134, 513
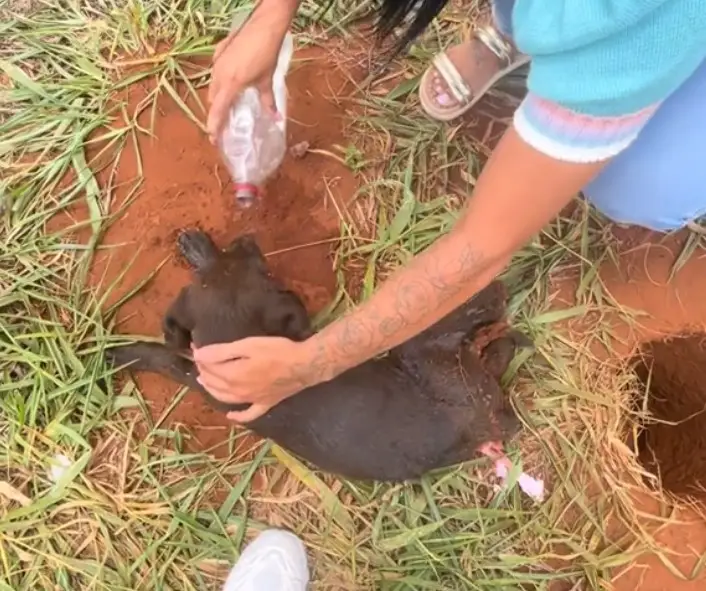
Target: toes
441, 93
445, 100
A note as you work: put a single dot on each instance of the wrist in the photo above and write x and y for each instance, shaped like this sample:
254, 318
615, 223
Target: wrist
280, 12
315, 356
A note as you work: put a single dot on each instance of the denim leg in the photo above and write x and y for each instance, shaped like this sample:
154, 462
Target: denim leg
502, 16
659, 182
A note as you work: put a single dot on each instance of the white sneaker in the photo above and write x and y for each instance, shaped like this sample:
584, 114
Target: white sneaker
274, 561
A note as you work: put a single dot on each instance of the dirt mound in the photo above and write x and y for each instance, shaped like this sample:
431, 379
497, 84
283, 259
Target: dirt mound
185, 184
674, 445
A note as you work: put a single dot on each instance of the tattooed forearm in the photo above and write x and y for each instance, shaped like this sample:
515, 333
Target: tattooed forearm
496, 222
436, 282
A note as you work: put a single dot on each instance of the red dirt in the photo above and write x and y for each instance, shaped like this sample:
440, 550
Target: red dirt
186, 185
670, 306
672, 372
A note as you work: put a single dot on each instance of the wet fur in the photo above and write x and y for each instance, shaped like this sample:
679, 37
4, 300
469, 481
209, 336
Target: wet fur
428, 404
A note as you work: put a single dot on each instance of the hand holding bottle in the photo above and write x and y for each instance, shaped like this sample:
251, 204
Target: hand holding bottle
248, 58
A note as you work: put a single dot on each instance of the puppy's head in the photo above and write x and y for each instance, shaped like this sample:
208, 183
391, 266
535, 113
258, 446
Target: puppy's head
234, 296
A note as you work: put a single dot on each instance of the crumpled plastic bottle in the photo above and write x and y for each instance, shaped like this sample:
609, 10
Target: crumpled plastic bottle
254, 141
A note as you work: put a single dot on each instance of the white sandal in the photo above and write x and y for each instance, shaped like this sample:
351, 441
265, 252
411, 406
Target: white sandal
458, 87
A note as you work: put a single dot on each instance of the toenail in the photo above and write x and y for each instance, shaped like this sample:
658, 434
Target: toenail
443, 99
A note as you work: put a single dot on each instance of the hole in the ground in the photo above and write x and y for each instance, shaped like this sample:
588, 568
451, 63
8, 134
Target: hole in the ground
673, 444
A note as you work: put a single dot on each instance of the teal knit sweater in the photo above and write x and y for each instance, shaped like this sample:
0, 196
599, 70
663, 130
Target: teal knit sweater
600, 68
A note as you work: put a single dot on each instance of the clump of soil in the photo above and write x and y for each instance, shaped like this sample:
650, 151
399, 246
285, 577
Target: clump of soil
185, 184
674, 444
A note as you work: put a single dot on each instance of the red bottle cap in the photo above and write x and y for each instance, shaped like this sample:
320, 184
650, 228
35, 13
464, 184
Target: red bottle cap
246, 194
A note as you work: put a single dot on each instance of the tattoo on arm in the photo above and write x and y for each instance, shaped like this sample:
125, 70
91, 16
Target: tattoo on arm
405, 305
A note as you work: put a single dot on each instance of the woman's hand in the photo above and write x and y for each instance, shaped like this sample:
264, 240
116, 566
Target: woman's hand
259, 370
248, 57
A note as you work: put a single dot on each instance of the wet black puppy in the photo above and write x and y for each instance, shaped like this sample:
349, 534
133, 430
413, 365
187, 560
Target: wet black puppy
427, 404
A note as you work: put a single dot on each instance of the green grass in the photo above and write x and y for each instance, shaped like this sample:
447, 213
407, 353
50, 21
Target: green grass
137, 510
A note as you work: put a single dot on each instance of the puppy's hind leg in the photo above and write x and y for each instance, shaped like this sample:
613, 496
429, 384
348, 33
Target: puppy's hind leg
486, 307
498, 354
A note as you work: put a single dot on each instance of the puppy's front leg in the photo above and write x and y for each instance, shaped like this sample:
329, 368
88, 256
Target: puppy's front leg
156, 358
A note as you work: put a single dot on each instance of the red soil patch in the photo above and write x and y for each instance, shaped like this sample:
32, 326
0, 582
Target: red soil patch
185, 185
672, 372
668, 305
674, 306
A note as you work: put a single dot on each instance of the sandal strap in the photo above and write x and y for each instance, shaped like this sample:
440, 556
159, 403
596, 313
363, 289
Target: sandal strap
493, 40
457, 85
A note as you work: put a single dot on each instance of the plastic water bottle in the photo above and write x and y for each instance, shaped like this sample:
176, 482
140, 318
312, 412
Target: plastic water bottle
254, 141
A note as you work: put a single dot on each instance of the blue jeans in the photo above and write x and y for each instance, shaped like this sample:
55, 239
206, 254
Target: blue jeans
659, 181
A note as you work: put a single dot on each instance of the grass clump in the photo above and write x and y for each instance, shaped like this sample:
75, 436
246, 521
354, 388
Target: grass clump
90, 498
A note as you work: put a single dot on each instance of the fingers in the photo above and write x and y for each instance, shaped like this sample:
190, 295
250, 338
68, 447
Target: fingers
246, 416
237, 350
220, 352
216, 385
220, 395
241, 372
267, 98
212, 88
221, 100
215, 364
220, 47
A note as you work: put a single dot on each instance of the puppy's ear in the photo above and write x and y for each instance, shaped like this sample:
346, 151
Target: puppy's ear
246, 246
286, 316
198, 249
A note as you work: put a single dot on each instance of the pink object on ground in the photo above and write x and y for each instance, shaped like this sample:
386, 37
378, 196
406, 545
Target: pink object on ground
532, 487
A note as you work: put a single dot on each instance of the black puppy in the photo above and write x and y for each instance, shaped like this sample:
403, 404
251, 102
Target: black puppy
427, 404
